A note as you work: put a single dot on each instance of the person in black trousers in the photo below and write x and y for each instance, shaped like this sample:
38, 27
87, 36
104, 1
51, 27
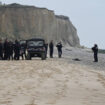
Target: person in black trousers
23, 51
51, 49
6, 50
95, 51
59, 47
46, 48
11, 50
1, 50
16, 50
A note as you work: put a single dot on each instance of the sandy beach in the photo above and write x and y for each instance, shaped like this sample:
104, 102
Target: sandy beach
54, 81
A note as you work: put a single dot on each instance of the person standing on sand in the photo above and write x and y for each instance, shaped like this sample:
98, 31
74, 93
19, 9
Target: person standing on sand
95, 51
11, 50
59, 47
16, 50
51, 48
1, 50
46, 48
6, 49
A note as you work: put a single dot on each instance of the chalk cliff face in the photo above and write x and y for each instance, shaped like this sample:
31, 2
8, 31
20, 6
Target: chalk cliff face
23, 22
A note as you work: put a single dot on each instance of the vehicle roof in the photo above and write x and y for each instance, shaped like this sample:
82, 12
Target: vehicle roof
22, 40
36, 39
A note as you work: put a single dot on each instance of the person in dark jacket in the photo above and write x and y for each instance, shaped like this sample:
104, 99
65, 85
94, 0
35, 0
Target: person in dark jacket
95, 51
1, 50
46, 48
6, 50
51, 49
11, 50
59, 47
23, 50
16, 50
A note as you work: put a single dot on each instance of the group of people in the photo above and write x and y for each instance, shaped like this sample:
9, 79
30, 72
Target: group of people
51, 49
59, 47
9, 50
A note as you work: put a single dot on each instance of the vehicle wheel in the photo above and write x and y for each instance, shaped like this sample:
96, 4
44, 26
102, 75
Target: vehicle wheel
43, 56
28, 57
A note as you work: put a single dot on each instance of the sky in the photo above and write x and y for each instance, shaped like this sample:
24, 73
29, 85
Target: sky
88, 16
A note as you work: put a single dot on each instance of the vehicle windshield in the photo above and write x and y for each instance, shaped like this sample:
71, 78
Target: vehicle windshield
35, 43
22, 42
